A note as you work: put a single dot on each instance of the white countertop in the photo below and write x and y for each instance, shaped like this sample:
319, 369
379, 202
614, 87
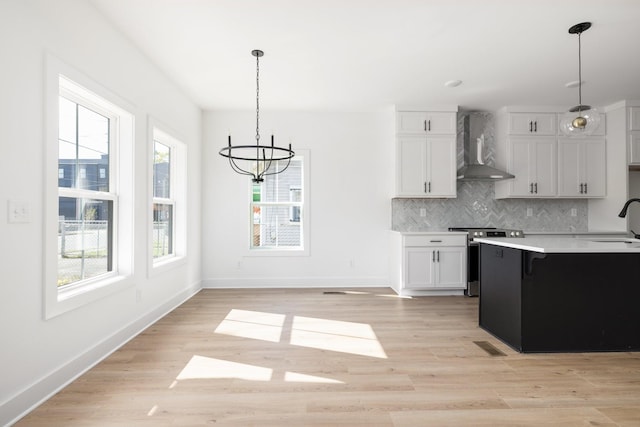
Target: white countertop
567, 244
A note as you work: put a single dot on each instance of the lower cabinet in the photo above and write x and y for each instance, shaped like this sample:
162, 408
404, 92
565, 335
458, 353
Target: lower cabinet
430, 262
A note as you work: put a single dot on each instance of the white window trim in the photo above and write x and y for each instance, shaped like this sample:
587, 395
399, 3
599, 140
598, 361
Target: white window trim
304, 218
56, 301
178, 185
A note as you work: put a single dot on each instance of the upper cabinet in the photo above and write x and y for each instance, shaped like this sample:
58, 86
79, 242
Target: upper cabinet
532, 124
421, 122
426, 154
545, 163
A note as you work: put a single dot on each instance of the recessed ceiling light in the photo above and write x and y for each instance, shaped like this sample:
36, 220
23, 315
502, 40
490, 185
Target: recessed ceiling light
453, 83
573, 84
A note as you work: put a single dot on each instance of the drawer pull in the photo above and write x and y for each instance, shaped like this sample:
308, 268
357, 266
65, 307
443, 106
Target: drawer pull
435, 241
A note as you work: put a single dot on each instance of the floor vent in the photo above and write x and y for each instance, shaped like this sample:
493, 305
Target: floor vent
334, 293
489, 348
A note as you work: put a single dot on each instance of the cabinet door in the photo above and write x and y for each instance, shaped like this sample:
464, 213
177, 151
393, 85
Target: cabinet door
410, 177
521, 165
441, 123
570, 180
634, 148
532, 124
634, 118
411, 122
594, 168
418, 269
545, 167
450, 267
441, 167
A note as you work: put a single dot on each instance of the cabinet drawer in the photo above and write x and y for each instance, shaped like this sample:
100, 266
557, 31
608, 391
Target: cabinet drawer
435, 240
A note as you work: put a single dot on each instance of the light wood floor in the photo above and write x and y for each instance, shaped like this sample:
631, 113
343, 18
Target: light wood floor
364, 358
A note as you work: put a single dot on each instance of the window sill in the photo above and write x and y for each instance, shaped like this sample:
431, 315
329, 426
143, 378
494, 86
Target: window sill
277, 252
59, 302
162, 265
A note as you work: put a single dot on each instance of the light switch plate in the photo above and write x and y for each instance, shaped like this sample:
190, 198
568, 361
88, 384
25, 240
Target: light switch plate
19, 211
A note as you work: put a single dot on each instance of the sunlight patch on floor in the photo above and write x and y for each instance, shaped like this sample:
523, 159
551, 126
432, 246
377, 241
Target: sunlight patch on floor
203, 368
324, 334
252, 324
200, 367
294, 377
335, 335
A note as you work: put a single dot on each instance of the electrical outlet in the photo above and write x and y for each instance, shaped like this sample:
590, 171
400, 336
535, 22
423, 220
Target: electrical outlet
574, 212
423, 212
529, 211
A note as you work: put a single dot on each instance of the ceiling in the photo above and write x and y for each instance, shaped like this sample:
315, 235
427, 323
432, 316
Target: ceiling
364, 55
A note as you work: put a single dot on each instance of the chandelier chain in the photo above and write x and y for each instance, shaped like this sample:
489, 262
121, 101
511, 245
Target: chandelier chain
580, 70
257, 99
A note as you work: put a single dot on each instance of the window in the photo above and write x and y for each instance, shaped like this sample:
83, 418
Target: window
278, 207
88, 209
163, 203
168, 193
85, 208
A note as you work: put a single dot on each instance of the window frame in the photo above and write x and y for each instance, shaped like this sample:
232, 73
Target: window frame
304, 224
178, 197
62, 79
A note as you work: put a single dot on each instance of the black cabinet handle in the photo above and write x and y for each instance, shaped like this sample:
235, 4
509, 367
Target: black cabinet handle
429, 128
429, 186
433, 256
536, 187
425, 187
535, 126
585, 188
530, 126
581, 188
425, 125
531, 188
438, 256
435, 241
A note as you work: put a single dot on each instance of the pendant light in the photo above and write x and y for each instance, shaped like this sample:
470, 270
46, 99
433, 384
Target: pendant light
581, 120
257, 160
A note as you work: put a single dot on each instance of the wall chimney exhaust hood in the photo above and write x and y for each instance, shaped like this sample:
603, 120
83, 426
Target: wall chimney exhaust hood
474, 168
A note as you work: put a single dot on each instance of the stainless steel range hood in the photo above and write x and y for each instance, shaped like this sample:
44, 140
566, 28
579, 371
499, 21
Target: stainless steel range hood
474, 168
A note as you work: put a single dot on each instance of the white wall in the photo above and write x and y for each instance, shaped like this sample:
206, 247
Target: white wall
603, 213
634, 209
351, 185
38, 356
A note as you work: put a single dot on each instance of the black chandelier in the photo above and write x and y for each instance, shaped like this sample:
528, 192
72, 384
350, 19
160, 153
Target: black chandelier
581, 119
257, 159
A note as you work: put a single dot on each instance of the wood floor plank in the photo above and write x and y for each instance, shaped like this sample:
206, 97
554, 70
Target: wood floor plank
299, 357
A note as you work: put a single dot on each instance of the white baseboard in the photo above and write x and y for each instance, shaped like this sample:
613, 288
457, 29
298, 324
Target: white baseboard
295, 282
43, 388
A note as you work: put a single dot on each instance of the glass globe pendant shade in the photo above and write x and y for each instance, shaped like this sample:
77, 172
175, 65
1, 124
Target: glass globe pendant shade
580, 121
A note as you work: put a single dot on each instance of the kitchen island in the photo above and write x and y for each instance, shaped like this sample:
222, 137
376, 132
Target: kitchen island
545, 294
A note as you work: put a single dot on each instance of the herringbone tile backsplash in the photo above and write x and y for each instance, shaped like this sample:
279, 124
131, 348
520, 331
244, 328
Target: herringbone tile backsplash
476, 206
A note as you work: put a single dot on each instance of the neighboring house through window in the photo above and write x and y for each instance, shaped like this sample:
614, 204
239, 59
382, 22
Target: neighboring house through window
278, 207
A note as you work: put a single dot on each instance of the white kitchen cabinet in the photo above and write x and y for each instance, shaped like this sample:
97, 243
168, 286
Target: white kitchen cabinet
532, 124
426, 166
581, 167
634, 118
422, 122
430, 262
533, 162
